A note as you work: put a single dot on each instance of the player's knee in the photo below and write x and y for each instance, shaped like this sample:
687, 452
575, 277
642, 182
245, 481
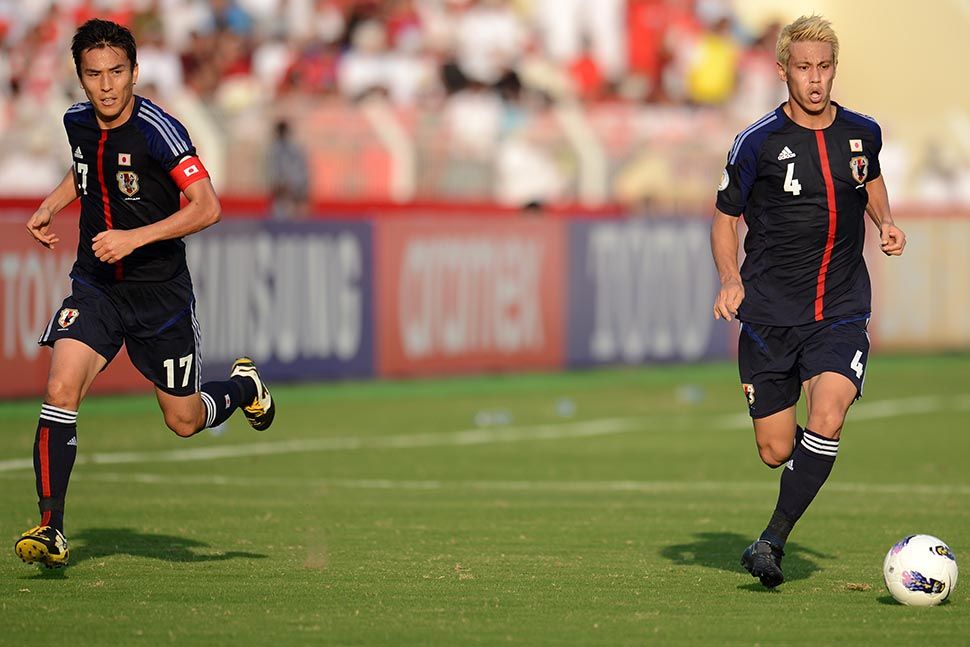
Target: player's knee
183, 426
827, 421
774, 454
61, 394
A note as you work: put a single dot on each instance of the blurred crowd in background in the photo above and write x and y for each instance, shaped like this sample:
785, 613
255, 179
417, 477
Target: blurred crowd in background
519, 102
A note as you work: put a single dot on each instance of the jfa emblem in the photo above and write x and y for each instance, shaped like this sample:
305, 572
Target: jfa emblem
128, 182
748, 393
67, 317
859, 165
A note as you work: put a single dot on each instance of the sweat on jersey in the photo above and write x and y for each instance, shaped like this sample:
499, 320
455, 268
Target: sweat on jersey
127, 177
803, 196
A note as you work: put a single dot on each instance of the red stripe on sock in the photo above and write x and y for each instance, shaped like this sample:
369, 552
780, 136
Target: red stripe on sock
45, 471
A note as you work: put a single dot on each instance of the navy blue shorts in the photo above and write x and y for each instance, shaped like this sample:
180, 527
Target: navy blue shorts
155, 321
774, 361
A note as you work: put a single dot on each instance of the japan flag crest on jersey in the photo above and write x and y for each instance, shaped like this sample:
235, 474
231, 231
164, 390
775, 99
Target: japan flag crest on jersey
128, 182
860, 168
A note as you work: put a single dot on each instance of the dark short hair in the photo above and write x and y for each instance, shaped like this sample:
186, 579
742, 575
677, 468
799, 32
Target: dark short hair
97, 33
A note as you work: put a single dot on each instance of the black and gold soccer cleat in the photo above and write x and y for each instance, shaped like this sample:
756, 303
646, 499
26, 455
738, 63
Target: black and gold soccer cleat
45, 545
763, 560
261, 410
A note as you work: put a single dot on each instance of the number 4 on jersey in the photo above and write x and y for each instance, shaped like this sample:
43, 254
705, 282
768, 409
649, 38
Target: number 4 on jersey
792, 185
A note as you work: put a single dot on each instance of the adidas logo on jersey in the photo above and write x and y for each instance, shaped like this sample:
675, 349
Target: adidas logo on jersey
77, 153
785, 154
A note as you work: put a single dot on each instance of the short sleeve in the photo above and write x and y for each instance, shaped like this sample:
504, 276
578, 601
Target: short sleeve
736, 180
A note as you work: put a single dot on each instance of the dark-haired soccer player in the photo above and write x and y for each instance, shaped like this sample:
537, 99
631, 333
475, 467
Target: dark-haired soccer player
130, 283
804, 176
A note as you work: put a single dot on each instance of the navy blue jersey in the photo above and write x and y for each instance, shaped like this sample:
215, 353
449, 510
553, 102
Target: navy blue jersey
803, 196
128, 177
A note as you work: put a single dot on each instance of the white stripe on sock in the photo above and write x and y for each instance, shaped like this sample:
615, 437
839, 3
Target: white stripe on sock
820, 445
210, 408
56, 414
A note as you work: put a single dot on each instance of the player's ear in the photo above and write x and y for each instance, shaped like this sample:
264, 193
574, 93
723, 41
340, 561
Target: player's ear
782, 72
134, 74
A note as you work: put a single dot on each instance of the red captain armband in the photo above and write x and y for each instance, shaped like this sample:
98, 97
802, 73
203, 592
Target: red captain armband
188, 171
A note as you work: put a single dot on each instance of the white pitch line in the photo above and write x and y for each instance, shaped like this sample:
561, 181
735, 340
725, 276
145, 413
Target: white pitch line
556, 431
643, 487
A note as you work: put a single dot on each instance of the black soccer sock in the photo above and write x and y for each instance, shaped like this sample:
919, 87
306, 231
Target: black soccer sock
55, 448
810, 465
222, 398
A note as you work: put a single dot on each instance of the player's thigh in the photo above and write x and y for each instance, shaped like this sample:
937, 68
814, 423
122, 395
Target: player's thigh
74, 365
833, 371
767, 363
775, 436
163, 346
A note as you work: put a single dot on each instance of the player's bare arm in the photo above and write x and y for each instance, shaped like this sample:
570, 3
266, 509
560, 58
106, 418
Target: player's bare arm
724, 245
892, 240
39, 224
202, 210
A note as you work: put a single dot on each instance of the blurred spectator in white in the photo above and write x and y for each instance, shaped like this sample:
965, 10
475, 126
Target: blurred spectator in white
566, 24
288, 175
473, 119
27, 167
272, 57
184, 21
489, 40
540, 74
158, 64
365, 66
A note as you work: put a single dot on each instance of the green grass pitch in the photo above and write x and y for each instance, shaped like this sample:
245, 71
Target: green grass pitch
607, 507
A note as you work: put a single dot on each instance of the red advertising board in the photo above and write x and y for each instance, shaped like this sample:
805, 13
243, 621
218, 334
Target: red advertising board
464, 295
33, 283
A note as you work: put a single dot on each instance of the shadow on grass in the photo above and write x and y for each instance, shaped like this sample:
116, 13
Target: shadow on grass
722, 551
97, 543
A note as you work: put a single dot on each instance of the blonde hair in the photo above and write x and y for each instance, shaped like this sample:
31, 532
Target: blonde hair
806, 28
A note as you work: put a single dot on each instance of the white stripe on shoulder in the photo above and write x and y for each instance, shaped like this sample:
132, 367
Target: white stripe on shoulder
739, 140
172, 144
78, 107
166, 122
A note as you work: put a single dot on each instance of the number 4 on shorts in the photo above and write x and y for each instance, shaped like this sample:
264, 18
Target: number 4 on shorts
856, 365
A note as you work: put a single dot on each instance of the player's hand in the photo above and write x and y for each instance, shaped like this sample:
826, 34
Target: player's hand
113, 245
892, 240
728, 300
39, 226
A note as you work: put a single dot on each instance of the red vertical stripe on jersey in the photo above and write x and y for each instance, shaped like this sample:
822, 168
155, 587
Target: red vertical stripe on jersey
105, 200
823, 156
45, 471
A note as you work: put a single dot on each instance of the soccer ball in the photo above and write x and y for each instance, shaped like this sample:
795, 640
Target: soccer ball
920, 570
